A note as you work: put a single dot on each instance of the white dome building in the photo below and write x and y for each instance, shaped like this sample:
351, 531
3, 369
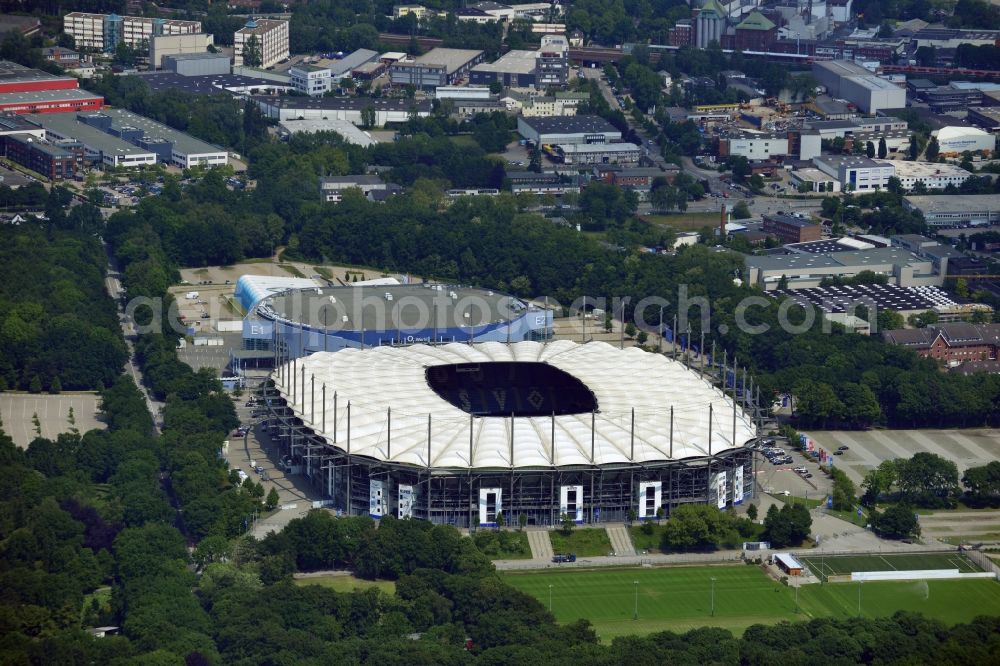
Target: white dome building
954, 139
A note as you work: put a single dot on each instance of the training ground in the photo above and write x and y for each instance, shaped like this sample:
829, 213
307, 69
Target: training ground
680, 598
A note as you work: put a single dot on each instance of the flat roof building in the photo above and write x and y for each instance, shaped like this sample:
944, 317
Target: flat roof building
516, 68
193, 43
98, 145
347, 130
597, 153
51, 101
173, 146
197, 64
387, 109
437, 67
49, 160
103, 32
957, 210
858, 85
899, 266
791, 229
934, 175
567, 129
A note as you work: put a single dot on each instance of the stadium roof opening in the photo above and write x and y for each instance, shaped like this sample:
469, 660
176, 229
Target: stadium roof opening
511, 388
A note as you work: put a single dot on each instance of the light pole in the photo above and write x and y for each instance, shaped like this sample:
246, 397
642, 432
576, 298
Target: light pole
550, 598
713, 596
635, 614
660, 350
859, 597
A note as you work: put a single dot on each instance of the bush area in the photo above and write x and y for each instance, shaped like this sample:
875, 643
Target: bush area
648, 536
502, 544
584, 542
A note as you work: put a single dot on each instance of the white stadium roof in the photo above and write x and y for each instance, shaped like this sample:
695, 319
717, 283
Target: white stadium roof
378, 379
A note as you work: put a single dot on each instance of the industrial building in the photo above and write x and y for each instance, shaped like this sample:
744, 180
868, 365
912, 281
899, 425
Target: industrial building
272, 39
596, 153
47, 159
98, 146
116, 137
461, 434
386, 109
104, 32
25, 90
957, 210
802, 270
951, 343
957, 140
197, 64
164, 45
934, 175
858, 85
847, 299
213, 84
817, 181
986, 117
754, 145
516, 68
563, 130
347, 130
437, 67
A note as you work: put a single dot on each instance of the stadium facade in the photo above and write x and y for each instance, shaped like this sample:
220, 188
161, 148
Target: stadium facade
297, 322
461, 433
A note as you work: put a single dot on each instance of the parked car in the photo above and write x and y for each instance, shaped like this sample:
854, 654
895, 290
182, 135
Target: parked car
843, 448
564, 558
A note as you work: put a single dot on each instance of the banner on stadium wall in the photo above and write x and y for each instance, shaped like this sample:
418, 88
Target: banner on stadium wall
571, 502
490, 505
377, 504
650, 498
738, 485
405, 502
720, 490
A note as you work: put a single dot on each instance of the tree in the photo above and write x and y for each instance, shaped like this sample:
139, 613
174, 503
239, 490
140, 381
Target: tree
500, 519
860, 405
897, 522
883, 149
982, 484
368, 117
870, 149
933, 149
843, 497
631, 515
55, 386
741, 211
928, 480
752, 512
914, 150
252, 55
36, 384
630, 330
788, 526
272, 500
522, 520
641, 337
879, 482
568, 523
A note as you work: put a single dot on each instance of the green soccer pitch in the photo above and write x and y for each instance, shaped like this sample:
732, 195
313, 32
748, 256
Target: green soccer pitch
843, 565
680, 598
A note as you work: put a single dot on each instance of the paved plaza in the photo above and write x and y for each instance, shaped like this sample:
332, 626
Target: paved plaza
18, 412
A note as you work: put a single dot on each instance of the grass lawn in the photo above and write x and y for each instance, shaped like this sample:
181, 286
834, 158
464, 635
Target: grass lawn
680, 598
348, 583
101, 594
293, 270
463, 140
503, 544
587, 542
684, 221
643, 541
843, 565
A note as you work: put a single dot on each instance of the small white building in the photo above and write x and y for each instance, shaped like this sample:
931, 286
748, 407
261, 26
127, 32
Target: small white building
755, 146
934, 175
855, 173
310, 79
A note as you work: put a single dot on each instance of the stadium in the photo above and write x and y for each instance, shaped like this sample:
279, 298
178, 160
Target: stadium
463, 433
294, 317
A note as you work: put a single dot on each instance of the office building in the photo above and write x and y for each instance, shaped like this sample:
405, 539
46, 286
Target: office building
791, 229
309, 79
164, 45
437, 67
270, 38
171, 146
754, 145
552, 62
104, 32
49, 160
386, 109
514, 69
597, 153
98, 146
855, 173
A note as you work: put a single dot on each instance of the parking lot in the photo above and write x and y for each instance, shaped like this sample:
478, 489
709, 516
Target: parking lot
18, 411
966, 448
781, 477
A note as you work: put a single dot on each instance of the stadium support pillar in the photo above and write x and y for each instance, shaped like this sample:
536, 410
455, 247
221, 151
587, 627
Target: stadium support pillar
552, 442
735, 377
631, 456
349, 475
323, 401
593, 499
687, 347
334, 416
673, 339
429, 479
510, 499
593, 436
312, 399
362, 333
671, 432
555, 500
711, 359
701, 352
471, 436
722, 370
710, 429
583, 334
734, 423
388, 433
294, 368
302, 395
